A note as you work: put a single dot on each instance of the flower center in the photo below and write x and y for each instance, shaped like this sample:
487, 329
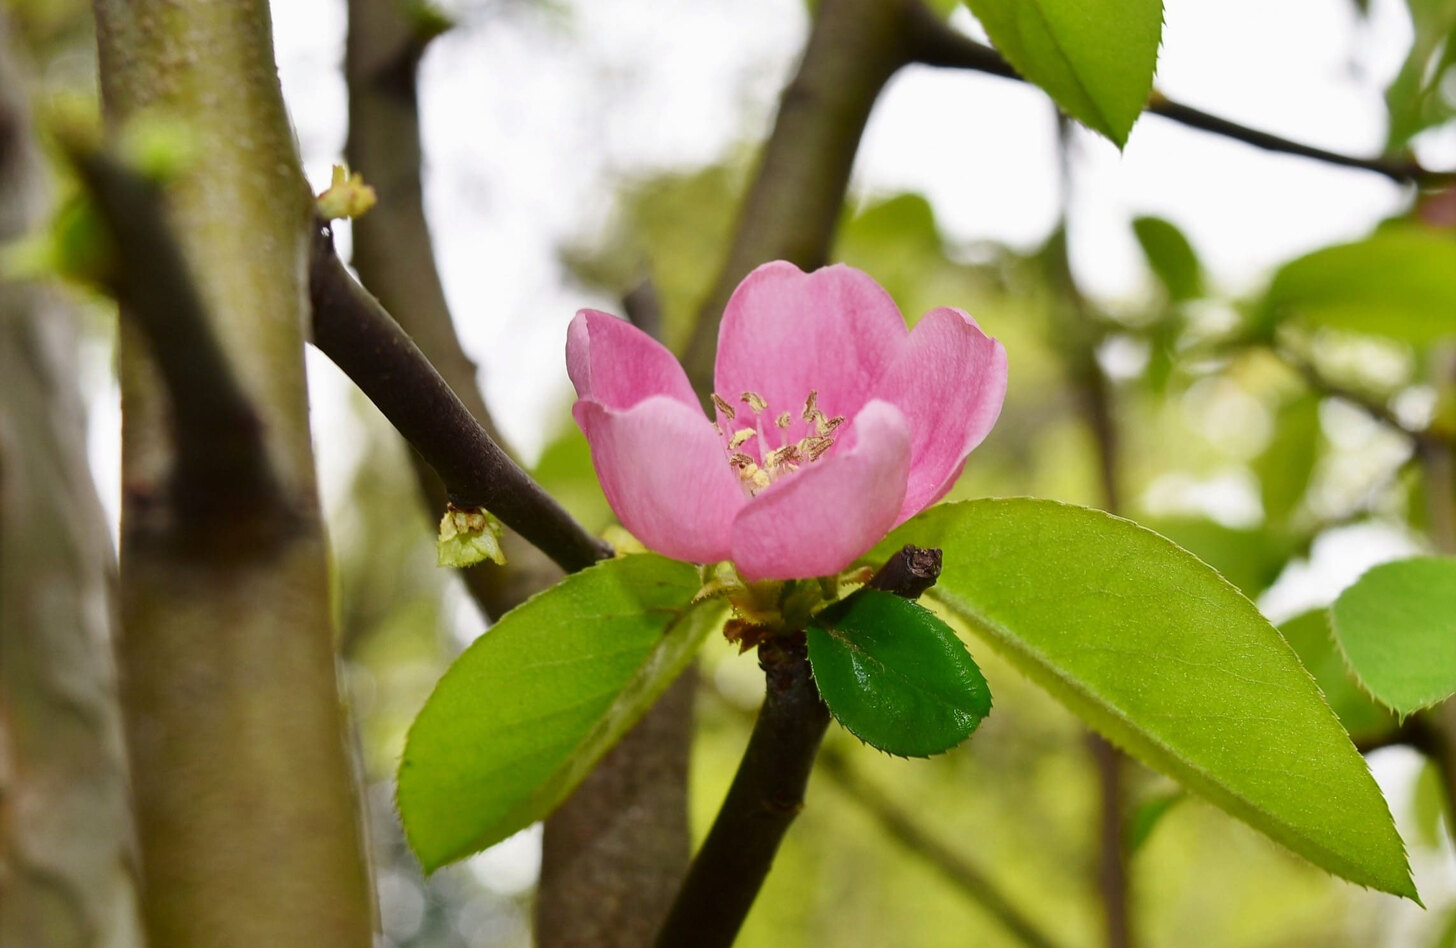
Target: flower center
758, 440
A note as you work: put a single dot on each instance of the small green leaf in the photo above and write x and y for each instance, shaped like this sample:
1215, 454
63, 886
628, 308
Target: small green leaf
523, 714
1095, 58
1171, 257
1400, 283
1397, 628
1310, 636
1157, 651
468, 537
896, 676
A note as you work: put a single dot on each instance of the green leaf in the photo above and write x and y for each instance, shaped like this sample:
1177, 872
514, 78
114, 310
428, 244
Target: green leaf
1251, 559
1400, 283
1171, 257
1162, 655
1095, 58
526, 711
1397, 628
1310, 636
896, 676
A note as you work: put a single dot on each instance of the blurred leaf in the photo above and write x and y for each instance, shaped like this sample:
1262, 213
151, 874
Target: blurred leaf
1429, 805
1310, 636
1171, 257
1250, 559
1285, 467
524, 713
896, 676
1415, 98
1147, 815
1095, 58
1161, 654
1397, 628
1400, 282
565, 470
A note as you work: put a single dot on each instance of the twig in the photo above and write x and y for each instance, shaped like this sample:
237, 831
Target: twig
768, 789
958, 870
1422, 438
938, 44
222, 463
394, 256
353, 330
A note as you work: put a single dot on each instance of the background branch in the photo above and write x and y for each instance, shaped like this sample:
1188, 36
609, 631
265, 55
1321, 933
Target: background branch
899, 825
353, 330
797, 194
394, 255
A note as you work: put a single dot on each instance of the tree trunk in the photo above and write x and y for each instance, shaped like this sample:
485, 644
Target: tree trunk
67, 867
246, 808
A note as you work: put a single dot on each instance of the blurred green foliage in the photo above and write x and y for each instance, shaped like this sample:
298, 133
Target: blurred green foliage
1224, 447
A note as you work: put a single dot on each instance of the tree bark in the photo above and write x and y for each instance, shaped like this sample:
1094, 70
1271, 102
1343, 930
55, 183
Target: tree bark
246, 809
67, 860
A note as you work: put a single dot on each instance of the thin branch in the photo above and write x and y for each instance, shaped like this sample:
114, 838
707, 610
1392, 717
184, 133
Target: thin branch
969, 878
1422, 438
353, 330
938, 44
395, 259
768, 790
221, 461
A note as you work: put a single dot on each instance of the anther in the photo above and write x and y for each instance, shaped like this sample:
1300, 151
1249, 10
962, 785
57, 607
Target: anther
827, 425
740, 436
783, 420
812, 448
811, 406
722, 405
754, 401
780, 457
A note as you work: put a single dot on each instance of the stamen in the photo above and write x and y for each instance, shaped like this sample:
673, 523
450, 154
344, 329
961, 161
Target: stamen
783, 420
779, 457
759, 481
827, 425
754, 401
742, 461
811, 448
740, 436
722, 405
811, 407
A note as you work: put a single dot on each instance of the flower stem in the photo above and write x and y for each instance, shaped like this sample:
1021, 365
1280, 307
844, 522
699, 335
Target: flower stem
768, 789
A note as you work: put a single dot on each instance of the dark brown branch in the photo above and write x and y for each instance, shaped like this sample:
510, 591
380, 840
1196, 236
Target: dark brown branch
797, 194
969, 878
353, 330
938, 44
768, 790
221, 462
395, 259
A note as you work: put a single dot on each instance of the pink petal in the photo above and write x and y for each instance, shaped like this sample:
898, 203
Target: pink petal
786, 333
664, 472
815, 522
613, 362
949, 382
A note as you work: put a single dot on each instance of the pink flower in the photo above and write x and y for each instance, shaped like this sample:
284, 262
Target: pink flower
834, 422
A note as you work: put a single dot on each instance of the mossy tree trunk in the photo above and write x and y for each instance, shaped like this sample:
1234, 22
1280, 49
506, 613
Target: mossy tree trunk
246, 807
